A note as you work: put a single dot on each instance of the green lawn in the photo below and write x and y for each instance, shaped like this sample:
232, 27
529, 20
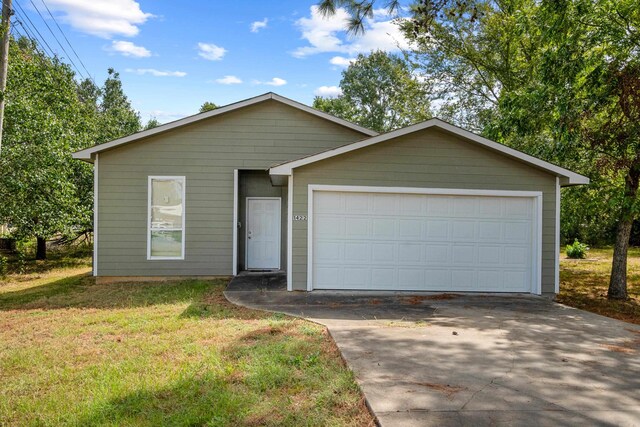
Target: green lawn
76, 353
583, 284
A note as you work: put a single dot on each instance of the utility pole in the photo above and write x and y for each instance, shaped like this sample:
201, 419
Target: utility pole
4, 57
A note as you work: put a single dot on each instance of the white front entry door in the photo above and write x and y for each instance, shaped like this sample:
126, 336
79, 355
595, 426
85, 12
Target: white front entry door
423, 242
263, 233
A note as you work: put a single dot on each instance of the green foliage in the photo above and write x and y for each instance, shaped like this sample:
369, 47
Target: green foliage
207, 106
152, 123
45, 121
380, 92
48, 116
577, 250
117, 117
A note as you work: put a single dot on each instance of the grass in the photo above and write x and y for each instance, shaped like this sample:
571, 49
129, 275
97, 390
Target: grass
584, 283
76, 353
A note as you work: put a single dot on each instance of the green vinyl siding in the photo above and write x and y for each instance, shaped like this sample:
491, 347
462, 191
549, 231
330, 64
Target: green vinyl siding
426, 159
206, 153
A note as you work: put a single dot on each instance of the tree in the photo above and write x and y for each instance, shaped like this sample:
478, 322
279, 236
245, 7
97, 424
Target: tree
152, 123
207, 106
379, 92
45, 121
591, 77
560, 80
49, 115
117, 117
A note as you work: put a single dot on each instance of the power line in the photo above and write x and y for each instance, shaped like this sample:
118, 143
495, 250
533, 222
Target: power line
42, 40
65, 37
56, 38
31, 36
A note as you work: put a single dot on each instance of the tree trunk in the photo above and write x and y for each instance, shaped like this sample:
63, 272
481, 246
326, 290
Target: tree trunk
41, 248
618, 280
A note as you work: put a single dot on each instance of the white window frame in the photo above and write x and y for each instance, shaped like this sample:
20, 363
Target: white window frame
149, 212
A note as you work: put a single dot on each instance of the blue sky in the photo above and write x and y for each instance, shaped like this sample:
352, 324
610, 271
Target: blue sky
172, 55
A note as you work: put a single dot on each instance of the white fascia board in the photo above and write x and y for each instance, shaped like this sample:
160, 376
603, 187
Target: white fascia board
87, 153
571, 178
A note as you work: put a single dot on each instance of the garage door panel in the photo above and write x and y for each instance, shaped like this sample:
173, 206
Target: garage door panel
326, 277
410, 229
490, 255
514, 280
516, 231
439, 206
357, 228
359, 203
328, 203
464, 279
465, 207
384, 228
422, 242
437, 254
385, 204
384, 253
463, 254
518, 208
330, 226
383, 278
409, 253
516, 255
490, 231
437, 279
357, 252
463, 230
329, 251
437, 230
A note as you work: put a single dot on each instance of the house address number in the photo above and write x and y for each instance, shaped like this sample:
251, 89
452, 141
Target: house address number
299, 217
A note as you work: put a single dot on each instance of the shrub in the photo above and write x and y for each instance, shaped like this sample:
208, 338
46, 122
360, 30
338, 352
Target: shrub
577, 250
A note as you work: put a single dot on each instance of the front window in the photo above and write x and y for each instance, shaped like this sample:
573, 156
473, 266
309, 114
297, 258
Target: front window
166, 217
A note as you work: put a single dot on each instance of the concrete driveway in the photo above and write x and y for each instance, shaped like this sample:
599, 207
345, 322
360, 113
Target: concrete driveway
440, 360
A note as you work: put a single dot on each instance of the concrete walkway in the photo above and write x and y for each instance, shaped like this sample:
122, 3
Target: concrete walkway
458, 360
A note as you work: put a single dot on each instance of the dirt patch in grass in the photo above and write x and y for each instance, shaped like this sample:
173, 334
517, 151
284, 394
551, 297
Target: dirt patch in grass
584, 284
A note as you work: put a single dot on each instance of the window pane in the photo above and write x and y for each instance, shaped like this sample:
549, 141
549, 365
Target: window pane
166, 244
166, 203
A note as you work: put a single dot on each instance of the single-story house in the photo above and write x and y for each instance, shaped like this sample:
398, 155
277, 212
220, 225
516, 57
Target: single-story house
271, 184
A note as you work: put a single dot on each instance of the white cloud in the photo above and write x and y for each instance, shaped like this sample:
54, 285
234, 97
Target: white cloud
102, 18
156, 73
328, 34
229, 80
328, 91
276, 81
258, 25
211, 51
130, 49
341, 61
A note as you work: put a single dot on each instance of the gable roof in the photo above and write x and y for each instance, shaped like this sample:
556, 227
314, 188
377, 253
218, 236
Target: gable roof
567, 177
88, 153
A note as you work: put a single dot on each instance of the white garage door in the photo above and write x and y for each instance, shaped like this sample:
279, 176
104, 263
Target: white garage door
438, 242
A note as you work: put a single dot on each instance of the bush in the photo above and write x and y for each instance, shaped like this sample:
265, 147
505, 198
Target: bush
577, 250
